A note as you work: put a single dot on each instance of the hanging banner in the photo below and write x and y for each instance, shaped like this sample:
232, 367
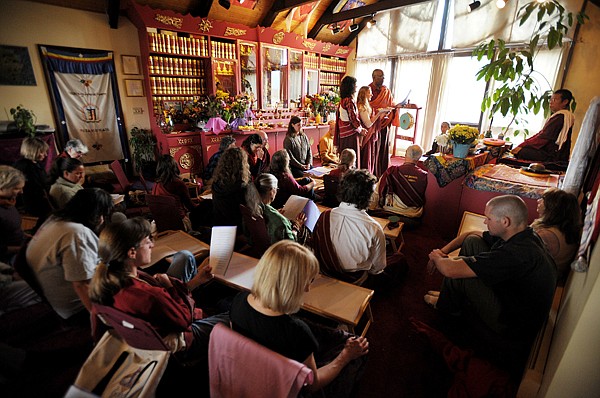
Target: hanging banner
90, 113
86, 100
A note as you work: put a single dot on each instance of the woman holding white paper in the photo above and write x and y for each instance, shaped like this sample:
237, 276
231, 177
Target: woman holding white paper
161, 300
259, 199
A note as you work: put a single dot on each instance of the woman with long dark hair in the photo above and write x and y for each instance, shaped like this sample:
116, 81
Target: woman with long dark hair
349, 129
231, 178
288, 185
298, 148
559, 225
162, 300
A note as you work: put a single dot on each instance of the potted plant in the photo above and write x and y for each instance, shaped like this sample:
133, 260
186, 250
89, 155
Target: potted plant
462, 137
143, 145
24, 119
513, 69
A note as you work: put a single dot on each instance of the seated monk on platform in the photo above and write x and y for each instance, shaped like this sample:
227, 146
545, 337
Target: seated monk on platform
553, 142
402, 188
348, 242
327, 150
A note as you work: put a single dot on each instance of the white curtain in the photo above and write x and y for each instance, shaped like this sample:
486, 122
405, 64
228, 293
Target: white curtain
436, 100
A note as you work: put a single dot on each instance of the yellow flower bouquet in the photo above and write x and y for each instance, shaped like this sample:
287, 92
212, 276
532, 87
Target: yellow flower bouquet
460, 134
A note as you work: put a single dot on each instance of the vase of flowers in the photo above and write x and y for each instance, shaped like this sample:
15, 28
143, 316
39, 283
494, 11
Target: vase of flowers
462, 137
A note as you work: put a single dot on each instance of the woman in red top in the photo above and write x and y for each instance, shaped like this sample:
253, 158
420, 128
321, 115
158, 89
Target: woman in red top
349, 129
288, 185
161, 300
169, 183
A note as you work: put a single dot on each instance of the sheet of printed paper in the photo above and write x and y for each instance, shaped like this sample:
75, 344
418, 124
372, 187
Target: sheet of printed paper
296, 204
222, 241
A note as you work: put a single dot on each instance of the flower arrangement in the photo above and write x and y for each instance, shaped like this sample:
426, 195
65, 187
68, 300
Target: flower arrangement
332, 100
315, 102
460, 134
197, 110
442, 140
240, 105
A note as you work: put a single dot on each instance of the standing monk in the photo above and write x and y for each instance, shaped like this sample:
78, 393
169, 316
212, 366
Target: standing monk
382, 98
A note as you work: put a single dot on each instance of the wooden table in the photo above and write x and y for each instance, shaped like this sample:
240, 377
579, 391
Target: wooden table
394, 235
327, 297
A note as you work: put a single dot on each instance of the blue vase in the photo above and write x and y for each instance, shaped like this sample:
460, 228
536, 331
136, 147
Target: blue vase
460, 150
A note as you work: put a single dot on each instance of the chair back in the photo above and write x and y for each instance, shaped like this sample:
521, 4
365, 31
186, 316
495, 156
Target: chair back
257, 229
124, 183
330, 187
270, 374
165, 213
134, 331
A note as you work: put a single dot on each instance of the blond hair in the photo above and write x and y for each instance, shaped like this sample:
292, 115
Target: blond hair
283, 275
10, 177
32, 147
362, 99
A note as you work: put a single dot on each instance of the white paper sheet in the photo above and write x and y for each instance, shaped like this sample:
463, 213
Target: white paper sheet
222, 241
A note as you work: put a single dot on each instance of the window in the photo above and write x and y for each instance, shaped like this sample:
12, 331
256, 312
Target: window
463, 92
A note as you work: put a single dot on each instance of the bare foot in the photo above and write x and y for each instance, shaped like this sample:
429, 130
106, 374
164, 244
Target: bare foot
434, 293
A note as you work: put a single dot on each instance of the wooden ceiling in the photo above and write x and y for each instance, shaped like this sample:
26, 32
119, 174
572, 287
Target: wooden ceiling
266, 13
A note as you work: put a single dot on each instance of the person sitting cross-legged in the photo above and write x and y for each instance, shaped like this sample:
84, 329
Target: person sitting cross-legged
402, 188
347, 241
502, 283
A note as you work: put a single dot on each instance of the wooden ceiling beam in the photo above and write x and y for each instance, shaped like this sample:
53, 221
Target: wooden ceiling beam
280, 6
330, 17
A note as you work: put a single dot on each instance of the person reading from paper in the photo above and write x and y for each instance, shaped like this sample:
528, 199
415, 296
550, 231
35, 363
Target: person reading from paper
371, 121
402, 188
68, 175
259, 197
383, 98
63, 253
162, 300
327, 150
280, 168
348, 242
553, 142
502, 282
74, 149
332, 180
348, 128
266, 314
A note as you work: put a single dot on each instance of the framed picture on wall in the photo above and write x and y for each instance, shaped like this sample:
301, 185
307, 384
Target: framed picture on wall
131, 64
134, 87
15, 67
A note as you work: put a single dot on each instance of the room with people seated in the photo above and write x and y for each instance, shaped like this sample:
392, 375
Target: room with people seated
328, 198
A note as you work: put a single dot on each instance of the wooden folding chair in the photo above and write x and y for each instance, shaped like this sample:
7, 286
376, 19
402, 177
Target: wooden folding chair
164, 210
257, 229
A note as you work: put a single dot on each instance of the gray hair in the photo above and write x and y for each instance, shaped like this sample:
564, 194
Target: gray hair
10, 177
414, 152
77, 146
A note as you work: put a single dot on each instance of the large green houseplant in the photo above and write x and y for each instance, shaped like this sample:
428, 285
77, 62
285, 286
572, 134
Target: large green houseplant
517, 92
24, 120
143, 145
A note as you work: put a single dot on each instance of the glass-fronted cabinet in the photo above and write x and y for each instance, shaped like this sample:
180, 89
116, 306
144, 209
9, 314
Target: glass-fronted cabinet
295, 85
274, 77
312, 82
249, 68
